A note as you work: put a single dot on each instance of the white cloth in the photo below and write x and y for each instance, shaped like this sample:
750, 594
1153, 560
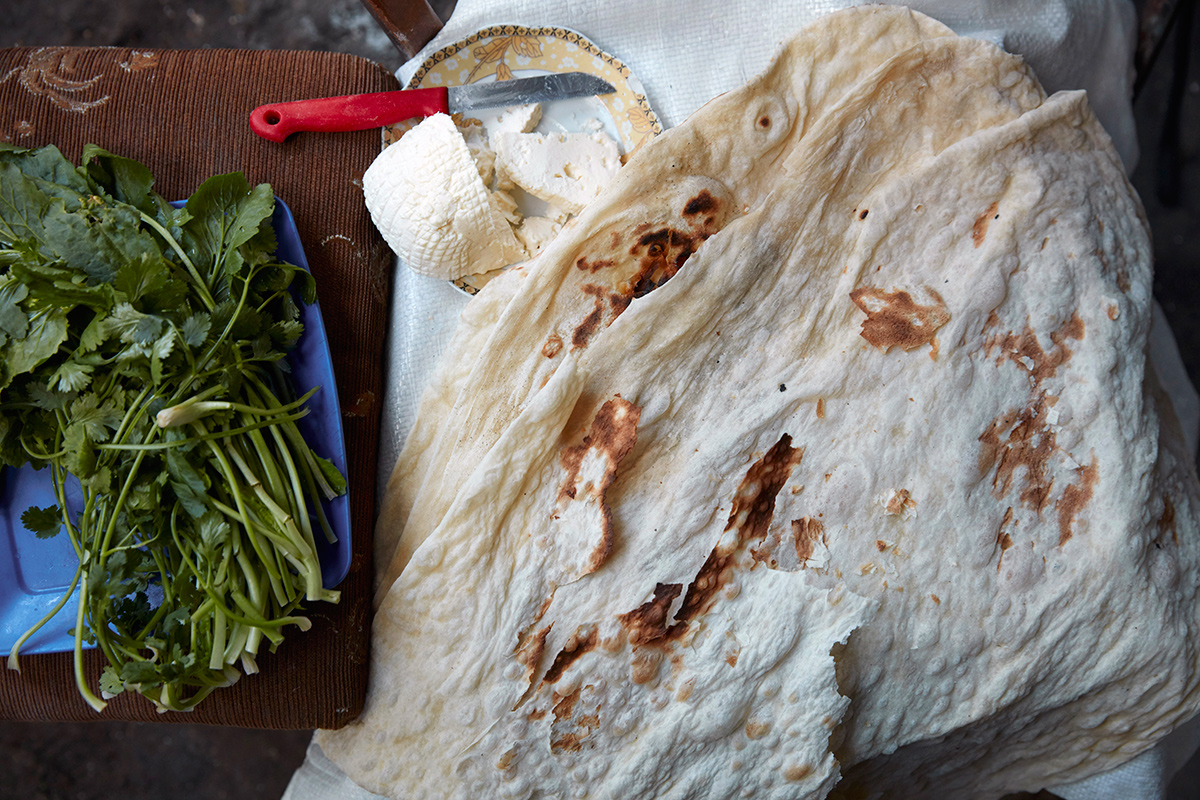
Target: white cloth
685, 53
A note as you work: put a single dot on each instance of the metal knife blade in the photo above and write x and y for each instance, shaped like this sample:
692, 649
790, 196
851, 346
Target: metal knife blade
520, 91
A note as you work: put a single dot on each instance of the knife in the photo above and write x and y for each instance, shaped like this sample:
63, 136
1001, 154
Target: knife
356, 112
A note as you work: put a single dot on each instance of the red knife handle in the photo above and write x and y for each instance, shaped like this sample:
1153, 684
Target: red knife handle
354, 112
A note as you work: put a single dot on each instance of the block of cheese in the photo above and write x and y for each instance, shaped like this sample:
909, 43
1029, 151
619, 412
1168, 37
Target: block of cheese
566, 170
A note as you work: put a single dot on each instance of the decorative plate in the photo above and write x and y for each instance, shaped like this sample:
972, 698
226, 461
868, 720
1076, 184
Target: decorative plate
502, 52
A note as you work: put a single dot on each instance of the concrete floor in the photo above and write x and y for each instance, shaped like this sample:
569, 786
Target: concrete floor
91, 761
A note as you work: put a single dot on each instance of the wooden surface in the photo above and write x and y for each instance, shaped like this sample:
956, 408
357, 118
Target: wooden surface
183, 114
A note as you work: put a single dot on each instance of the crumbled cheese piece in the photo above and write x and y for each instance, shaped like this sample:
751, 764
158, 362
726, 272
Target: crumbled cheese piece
567, 170
537, 232
515, 119
592, 125
557, 214
475, 135
426, 197
507, 206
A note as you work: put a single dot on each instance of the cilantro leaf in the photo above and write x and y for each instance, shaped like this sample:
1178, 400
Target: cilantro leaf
80, 457
226, 212
46, 164
139, 672
188, 484
48, 399
44, 523
93, 239
97, 417
121, 178
47, 330
286, 333
195, 329
331, 474
111, 684
214, 529
71, 376
13, 319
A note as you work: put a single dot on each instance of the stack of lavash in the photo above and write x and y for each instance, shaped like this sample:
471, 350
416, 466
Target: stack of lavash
819, 457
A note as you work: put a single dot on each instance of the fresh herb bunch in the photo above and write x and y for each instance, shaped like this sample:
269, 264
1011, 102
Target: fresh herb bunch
141, 355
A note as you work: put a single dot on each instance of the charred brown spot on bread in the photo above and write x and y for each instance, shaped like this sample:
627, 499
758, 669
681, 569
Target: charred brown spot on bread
591, 323
570, 731
757, 729
506, 759
1002, 537
662, 252
594, 320
649, 621
1023, 438
569, 743
1019, 439
702, 203
574, 722
980, 228
820, 408
595, 265
796, 772
1122, 274
529, 649
900, 501
806, 532
565, 705
617, 303
1123, 281
1074, 498
1003, 540
1026, 351
645, 665
733, 649
611, 436
581, 642
750, 516
863, 214
894, 319
553, 346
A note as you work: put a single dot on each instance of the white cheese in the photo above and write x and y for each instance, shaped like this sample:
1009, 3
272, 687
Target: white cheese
515, 119
475, 135
426, 197
566, 170
537, 232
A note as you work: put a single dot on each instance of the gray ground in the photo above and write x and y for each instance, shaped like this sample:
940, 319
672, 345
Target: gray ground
91, 761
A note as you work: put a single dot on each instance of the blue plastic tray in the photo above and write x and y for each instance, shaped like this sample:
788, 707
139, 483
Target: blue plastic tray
34, 573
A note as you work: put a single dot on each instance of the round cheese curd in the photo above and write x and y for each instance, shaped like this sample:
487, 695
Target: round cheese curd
427, 199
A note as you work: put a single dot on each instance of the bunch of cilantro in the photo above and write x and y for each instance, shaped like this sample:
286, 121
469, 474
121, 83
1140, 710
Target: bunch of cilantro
141, 358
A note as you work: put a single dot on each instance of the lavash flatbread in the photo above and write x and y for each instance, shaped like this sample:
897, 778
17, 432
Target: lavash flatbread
895, 408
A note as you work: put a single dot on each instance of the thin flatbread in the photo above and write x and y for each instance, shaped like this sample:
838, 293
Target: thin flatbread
875, 496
